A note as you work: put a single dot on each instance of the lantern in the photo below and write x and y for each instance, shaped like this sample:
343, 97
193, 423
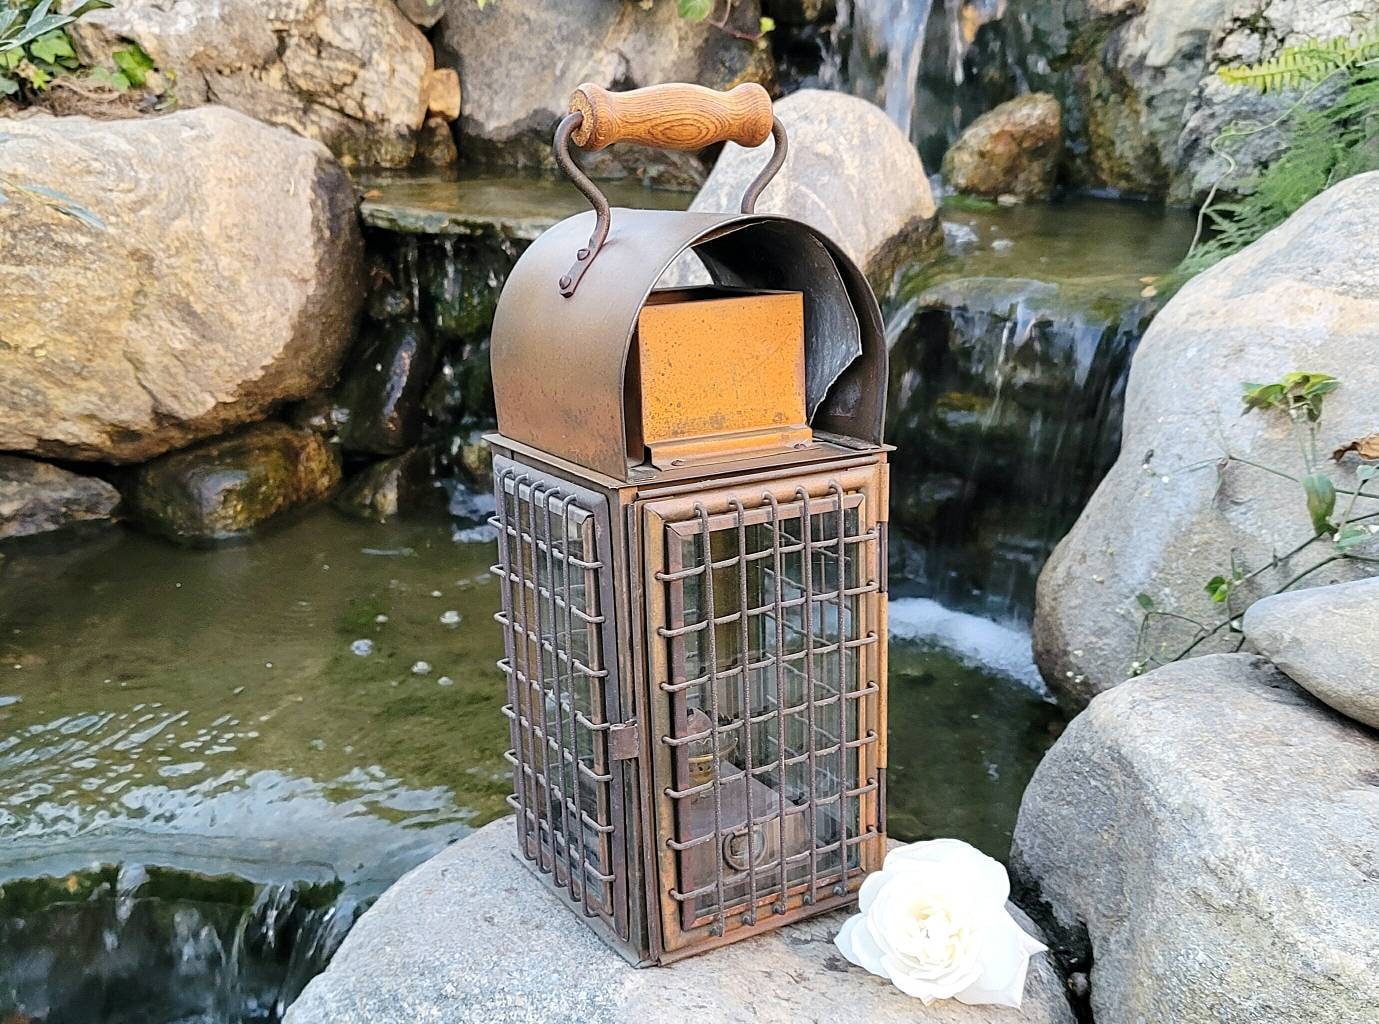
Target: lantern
691, 492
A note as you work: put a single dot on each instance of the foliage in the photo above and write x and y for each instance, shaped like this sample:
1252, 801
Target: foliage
1324, 145
1301, 397
35, 49
702, 10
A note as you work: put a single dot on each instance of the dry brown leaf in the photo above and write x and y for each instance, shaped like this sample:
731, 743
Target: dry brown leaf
1366, 447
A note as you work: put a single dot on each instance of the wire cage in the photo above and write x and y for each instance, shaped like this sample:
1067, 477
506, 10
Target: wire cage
691, 491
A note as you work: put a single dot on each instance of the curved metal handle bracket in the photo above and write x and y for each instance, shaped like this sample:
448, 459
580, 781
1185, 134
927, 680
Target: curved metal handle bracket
569, 124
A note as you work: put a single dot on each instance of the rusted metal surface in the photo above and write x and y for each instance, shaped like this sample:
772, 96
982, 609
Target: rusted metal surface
716, 375
691, 502
558, 363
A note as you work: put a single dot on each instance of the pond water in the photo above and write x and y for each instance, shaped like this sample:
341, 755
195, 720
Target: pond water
211, 760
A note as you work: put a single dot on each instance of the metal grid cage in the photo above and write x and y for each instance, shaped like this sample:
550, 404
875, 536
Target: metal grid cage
770, 720
562, 687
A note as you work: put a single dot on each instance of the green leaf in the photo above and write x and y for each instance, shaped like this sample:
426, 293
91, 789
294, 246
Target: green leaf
766, 25
694, 10
52, 46
1145, 601
8, 86
134, 63
1352, 535
1218, 588
1321, 501
1367, 471
88, 6
1262, 396
115, 79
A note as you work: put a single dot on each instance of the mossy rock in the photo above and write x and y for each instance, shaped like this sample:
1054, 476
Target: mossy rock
226, 487
387, 489
382, 392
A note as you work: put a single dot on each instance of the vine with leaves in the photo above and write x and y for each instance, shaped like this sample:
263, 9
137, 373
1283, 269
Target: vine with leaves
1346, 533
35, 50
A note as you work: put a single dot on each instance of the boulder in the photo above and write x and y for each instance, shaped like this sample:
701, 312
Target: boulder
422, 13
1207, 837
510, 112
1327, 640
36, 497
350, 73
224, 488
1173, 513
1138, 81
181, 275
850, 172
1013, 149
472, 936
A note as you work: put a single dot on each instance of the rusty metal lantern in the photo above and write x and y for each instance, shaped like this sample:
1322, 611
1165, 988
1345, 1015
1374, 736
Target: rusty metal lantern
691, 491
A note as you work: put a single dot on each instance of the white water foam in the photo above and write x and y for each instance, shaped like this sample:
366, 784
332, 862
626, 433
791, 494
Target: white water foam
981, 643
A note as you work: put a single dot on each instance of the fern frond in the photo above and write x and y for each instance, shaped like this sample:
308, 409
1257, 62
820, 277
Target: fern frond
1308, 62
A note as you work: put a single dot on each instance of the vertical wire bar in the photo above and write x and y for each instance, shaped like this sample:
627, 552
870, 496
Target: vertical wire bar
844, 801
778, 612
712, 630
519, 775
746, 710
599, 755
527, 756
557, 646
539, 681
574, 712
807, 565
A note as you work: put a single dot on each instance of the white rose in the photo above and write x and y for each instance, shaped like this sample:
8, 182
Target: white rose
934, 921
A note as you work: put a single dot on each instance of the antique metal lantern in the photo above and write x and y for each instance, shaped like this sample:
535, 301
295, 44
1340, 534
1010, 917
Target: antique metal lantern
691, 492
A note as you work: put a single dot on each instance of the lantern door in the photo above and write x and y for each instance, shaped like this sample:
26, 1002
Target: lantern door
766, 616
555, 572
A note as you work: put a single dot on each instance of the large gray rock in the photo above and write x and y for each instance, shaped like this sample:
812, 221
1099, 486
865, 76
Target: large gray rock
1214, 833
850, 172
350, 73
1327, 640
1138, 80
180, 275
1168, 518
471, 936
519, 63
36, 497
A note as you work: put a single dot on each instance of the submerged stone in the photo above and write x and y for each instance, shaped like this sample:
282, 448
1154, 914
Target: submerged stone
472, 935
390, 487
224, 488
36, 497
381, 394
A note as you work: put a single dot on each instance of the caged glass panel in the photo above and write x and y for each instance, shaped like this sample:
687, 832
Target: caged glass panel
771, 624
562, 694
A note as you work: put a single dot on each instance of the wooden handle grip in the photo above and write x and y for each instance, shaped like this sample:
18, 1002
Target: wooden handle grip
674, 116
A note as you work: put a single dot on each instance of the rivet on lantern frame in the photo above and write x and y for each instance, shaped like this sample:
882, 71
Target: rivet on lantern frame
693, 588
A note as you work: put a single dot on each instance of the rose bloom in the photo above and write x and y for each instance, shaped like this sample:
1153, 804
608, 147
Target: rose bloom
934, 921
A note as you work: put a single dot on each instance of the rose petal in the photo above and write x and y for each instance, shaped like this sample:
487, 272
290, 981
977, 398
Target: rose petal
992, 880
869, 889
868, 953
1004, 957
844, 939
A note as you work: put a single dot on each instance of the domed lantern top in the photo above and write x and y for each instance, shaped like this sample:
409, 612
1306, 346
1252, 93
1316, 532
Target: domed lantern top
568, 377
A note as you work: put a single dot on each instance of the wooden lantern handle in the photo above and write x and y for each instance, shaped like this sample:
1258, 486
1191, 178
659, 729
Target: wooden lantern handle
673, 116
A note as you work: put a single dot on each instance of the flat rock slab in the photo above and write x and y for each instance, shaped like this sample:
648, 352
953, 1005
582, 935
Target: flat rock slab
1327, 641
472, 936
36, 497
1213, 831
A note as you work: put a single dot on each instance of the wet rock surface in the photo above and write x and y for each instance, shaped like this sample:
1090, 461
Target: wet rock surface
1169, 515
443, 944
850, 172
224, 488
1012, 150
390, 487
381, 393
229, 262
510, 112
1139, 87
350, 73
36, 497
1205, 836
1327, 641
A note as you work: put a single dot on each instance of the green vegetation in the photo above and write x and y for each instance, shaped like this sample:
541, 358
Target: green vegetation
1347, 535
35, 50
1332, 132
